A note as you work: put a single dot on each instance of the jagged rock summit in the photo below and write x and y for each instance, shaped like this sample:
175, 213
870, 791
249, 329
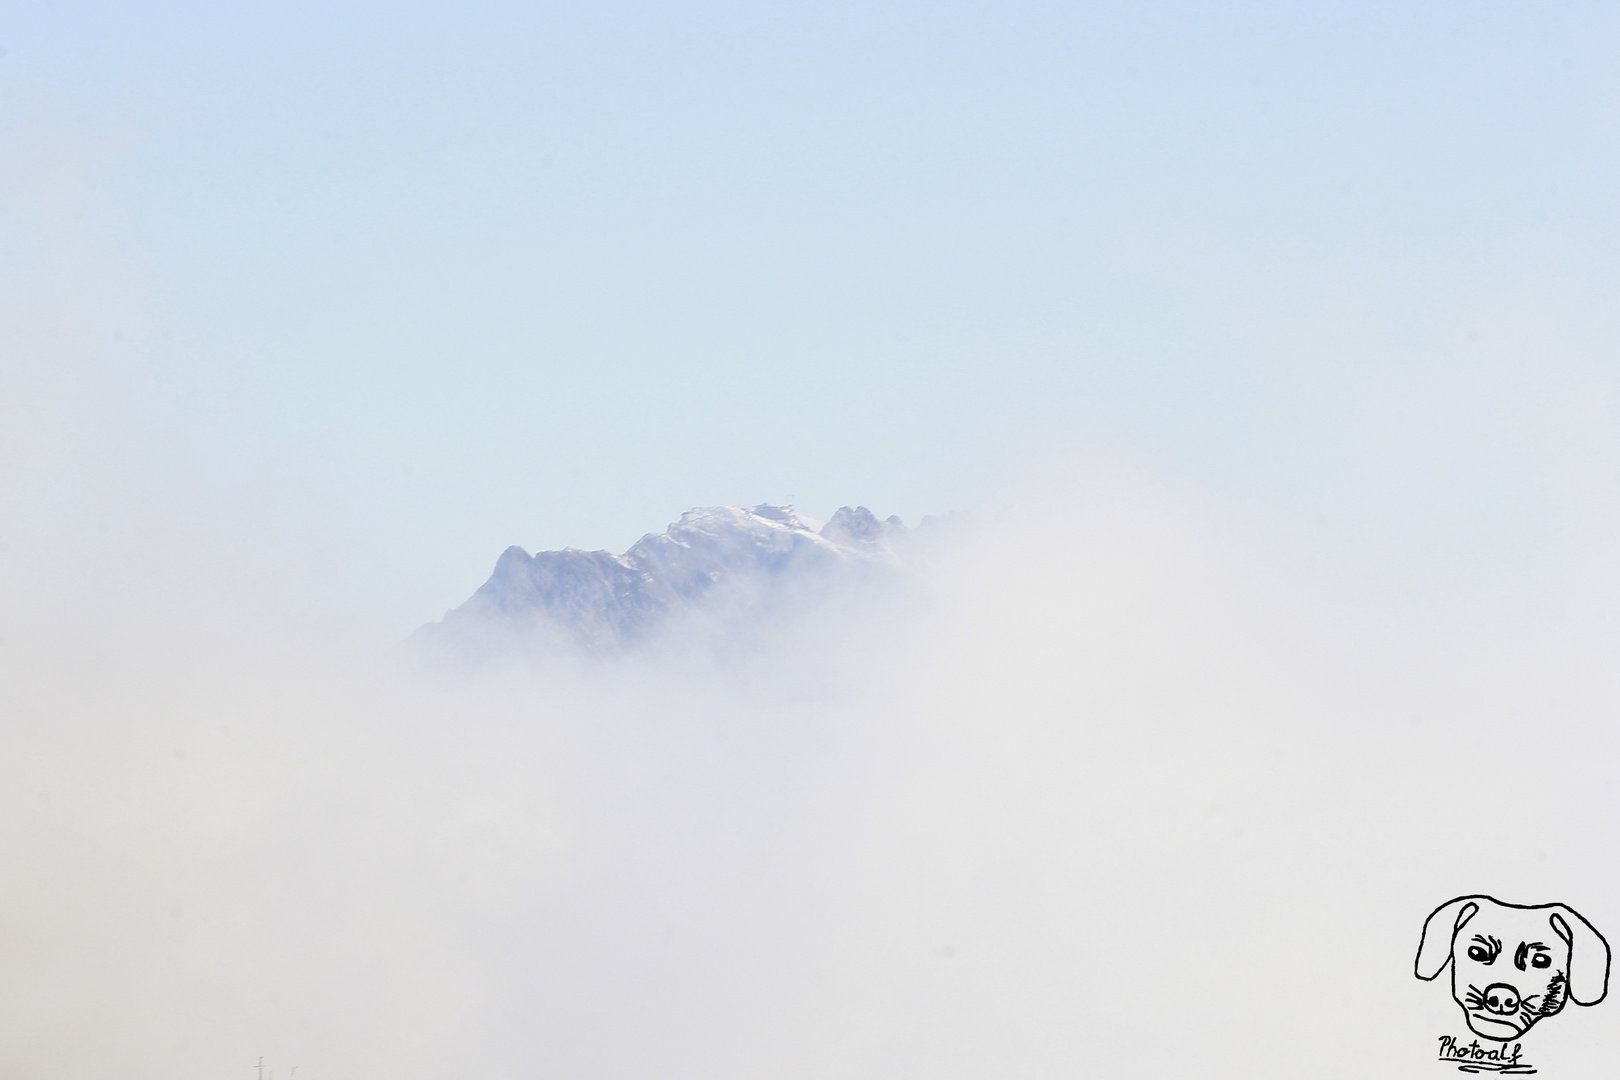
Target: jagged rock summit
715, 560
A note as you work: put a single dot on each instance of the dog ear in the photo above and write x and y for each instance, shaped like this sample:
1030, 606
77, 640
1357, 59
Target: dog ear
1588, 955
1439, 930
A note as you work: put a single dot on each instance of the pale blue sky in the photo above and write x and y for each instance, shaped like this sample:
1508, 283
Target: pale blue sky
438, 279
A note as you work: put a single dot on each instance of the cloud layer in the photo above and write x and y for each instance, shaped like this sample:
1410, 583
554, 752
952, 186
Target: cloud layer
1128, 788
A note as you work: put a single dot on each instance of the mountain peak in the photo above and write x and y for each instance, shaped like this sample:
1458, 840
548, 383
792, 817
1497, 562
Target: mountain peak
736, 558
859, 526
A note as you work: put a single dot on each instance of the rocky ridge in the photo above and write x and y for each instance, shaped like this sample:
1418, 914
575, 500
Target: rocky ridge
749, 560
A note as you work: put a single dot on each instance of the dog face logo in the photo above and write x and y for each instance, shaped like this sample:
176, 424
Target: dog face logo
1511, 965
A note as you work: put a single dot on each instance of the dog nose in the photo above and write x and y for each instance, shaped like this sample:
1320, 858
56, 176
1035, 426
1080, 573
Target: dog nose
1501, 998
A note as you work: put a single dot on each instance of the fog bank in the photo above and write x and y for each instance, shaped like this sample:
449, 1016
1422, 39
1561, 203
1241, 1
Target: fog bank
1135, 783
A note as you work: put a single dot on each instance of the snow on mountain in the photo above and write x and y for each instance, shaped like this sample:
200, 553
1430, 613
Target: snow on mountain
746, 561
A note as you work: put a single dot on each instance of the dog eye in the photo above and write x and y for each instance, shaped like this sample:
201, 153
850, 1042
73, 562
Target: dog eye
1479, 953
1541, 960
